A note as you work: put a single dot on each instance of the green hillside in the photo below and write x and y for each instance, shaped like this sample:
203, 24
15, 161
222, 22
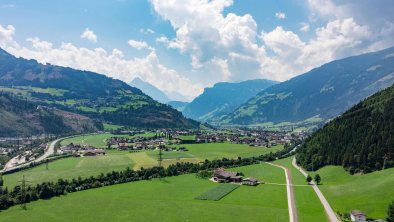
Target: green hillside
323, 92
23, 118
361, 139
86, 93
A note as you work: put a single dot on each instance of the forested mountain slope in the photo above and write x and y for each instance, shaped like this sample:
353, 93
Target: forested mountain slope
361, 139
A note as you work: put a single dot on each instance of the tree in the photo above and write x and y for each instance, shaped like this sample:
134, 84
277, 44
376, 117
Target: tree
390, 212
308, 179
317, 179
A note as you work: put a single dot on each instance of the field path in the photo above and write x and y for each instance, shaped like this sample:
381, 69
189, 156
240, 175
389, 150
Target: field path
329, 211
293, 216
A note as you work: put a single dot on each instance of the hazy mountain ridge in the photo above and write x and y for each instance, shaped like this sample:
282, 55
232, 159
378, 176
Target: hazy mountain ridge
325, 91
150, 90
223, 98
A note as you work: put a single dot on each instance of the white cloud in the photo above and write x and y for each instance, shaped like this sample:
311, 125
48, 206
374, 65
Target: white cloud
218, 45
139, 45
147, 31
6, 36
304, 27
113, 64
89, 35
280, 15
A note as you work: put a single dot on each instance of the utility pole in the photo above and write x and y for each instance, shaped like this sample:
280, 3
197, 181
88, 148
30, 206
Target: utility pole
160, 157
46, 163
23, 190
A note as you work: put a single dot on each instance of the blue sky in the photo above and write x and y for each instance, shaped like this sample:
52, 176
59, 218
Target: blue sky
182, 46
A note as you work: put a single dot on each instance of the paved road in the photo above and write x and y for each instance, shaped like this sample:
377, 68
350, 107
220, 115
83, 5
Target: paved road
293, 216
329, 211
49, 151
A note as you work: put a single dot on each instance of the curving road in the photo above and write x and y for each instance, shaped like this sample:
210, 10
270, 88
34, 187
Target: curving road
49, 151
293, 216
329, 211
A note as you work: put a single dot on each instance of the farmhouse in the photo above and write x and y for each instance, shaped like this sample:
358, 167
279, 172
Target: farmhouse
357, 216
93, 152
250, 181
222, 176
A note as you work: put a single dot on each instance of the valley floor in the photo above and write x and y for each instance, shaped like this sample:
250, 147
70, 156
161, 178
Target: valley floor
168, 199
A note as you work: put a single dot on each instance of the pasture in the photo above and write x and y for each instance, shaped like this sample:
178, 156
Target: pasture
74, 167
370, 193
308, 204
168, 199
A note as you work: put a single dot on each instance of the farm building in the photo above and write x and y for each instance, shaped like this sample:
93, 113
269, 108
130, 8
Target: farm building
223, 176
93, 152
250, 181
357, 216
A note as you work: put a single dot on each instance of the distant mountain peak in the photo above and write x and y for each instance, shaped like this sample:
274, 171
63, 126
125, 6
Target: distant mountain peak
150, 90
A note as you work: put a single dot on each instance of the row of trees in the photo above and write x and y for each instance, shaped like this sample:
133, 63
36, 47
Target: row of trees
317, 179
47, 190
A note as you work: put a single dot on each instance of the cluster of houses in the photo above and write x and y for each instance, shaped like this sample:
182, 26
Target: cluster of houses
78, 150
252, 138
141, 143
221, 175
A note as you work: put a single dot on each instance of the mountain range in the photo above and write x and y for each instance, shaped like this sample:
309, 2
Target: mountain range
86, 93
223, 98
321, 93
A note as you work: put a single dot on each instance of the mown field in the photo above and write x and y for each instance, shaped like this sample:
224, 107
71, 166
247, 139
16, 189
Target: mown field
370, 193
168, 199
309, 208
75, 167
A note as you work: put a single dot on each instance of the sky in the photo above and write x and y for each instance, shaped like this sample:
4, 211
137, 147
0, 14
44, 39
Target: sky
183, 46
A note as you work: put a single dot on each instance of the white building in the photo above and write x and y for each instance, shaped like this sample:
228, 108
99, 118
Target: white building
357, 216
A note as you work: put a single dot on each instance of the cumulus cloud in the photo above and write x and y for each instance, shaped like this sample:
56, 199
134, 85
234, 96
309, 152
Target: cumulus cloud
139, 45
212, 40
6, 36
147, 31
280, 15
112, 63
89, 35
304, 27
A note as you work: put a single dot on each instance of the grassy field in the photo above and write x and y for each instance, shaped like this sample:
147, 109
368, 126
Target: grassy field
218, 192
119, 160
169, 199
370, 193
111, 126
308, 204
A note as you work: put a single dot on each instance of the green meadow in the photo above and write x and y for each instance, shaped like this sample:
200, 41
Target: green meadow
168, 199
308, 204
74, 167
370, 193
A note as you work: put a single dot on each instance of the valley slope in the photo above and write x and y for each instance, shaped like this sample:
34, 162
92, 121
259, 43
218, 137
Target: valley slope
321, 93
90, 94
361, 139
223, 98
